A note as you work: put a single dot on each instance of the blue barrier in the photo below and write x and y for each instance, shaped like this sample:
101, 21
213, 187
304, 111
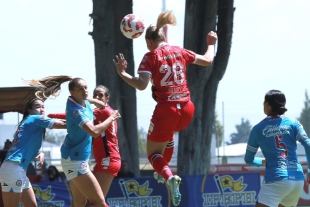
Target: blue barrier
214, 190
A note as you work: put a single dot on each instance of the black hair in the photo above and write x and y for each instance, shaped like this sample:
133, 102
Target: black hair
26, 113
29, 106
277, 101
107, 91
73, 82
57, 173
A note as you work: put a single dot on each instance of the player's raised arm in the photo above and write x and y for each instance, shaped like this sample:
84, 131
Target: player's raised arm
208, 57
139, 82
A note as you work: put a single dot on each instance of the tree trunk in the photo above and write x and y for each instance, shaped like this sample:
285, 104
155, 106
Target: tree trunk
202, 16
109, 41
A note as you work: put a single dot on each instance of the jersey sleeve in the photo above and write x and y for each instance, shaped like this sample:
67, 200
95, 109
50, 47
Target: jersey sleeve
78, 115
101, 115
189, 56
303, 138
251, 149
43, 121
146, 64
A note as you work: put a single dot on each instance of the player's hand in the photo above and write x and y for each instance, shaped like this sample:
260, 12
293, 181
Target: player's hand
120, 63
40, 157
115, 115
211, 38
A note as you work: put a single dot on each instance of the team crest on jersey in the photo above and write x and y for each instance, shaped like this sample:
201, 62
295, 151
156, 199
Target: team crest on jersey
144, 59
19, 183
76, 113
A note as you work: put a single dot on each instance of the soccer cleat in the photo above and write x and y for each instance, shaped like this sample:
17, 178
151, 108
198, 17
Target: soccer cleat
159, 178
174, 183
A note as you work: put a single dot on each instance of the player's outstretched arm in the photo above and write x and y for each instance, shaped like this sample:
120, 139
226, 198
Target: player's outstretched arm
99, 104
96, 130
59, 124
208, 57
140, 82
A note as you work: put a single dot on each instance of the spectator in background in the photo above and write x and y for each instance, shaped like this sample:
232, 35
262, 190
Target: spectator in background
7, 146
124, 172
52, 175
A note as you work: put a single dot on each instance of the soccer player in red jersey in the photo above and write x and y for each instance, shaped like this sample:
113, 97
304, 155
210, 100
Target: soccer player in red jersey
165, 66
105, 147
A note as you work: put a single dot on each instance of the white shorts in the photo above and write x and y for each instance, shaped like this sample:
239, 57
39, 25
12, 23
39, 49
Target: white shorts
284, 192
73, 169
13, 177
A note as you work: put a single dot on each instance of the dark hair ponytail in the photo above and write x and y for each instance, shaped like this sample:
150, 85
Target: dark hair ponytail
277, 101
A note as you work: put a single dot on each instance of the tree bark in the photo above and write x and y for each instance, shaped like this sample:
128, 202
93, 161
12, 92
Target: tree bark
109, 41
201, 17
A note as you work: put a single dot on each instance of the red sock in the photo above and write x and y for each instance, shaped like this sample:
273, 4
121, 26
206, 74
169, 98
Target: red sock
169, 151
160, 165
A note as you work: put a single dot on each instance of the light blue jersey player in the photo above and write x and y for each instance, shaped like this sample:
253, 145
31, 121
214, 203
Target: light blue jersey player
26, 144
76, 149
277, 137
28, 139
77, 144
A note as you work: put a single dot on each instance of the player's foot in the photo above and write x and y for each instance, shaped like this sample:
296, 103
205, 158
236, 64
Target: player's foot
159, 178
174, 183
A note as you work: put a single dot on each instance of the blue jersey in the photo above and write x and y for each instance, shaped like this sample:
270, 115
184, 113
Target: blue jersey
277, 136
28, 139
77, 144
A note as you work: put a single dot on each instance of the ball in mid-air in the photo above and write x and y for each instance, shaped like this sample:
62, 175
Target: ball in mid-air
132, 26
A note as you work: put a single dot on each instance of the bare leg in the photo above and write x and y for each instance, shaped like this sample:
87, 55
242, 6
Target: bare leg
155, 147
11, 199
79, 198
260, 205
105, 181
28, 198
88, 185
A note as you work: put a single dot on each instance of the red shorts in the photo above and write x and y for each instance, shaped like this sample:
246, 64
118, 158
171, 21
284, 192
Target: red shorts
108, 165
169, 118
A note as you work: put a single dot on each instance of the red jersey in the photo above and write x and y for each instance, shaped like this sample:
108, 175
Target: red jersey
107, 144
167, 66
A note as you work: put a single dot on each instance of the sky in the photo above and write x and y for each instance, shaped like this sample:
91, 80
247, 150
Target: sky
269, 50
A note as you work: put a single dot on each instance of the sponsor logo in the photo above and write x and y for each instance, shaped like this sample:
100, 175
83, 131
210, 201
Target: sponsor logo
4, 184
70, 171
230, 193
105, 162
275, 130
135, 195
177, 96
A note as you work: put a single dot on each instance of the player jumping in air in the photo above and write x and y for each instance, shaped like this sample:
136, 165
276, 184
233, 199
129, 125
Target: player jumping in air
165, 66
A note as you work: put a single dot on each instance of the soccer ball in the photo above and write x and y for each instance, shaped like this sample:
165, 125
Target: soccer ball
132, 26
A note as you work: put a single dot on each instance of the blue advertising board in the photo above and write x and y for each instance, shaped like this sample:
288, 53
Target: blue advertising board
214, 190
